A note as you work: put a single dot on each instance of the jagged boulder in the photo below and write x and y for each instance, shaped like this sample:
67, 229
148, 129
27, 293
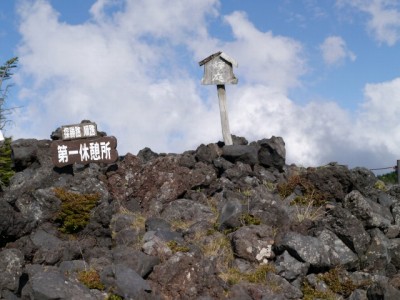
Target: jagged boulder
290, 268
369, 212
11, 267
185, 276
160, 181
30, 153
243, 153
254, 243
50, 283
272, 153
334, 180
306, 249
348, 228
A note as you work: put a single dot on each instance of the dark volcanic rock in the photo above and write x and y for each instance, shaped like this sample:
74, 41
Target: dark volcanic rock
211, 223
30, 152
245, 154
333, 179
272, 153
51, 284
184, 276
254, 243
348, 228
306, 249
369, 212
11, 267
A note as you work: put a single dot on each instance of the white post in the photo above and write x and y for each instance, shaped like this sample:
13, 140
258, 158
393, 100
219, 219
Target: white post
224, 114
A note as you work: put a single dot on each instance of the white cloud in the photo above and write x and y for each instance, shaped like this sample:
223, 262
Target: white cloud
379, 117
384, 18
334, 50
263, 57
130, 72
310, 132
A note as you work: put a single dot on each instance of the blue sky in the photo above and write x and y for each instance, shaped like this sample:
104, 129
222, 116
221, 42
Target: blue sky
324, 75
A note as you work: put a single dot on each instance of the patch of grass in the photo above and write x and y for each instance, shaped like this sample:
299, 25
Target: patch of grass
246, 193
248, 219
75, 210
139, 219
310, 293
259, 275
269, 185
309, 191
309, 205
232, 276
337, 282
309, 212
175, 247
219, 245
91, 279
180, 224
216, 247
213, 205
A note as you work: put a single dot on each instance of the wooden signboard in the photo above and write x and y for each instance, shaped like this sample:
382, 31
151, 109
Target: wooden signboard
218, 70
84, 151
78, 131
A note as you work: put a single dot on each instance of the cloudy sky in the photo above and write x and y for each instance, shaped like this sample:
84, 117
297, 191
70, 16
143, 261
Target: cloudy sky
324, 75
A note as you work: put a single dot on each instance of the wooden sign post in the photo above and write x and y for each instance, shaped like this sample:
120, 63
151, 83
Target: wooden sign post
80, 143
218, 70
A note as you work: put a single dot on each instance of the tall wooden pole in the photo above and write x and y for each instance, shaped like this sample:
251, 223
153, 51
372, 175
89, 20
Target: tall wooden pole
398, 171
226, 133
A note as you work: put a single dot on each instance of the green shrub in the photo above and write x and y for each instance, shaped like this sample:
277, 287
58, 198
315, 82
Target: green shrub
389, 178
380, 185
6, 171
75, 209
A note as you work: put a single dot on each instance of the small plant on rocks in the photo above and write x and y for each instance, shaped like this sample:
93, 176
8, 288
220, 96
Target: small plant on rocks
91, 279
6, 164
175, 247
309, 191
337, 282
309, 205
259, 275
75, 209
380, 185
248, 219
